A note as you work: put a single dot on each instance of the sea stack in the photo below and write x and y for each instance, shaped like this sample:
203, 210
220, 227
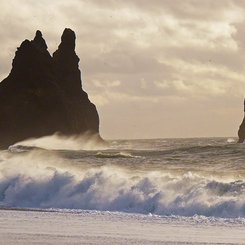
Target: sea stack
241, 131
43, 95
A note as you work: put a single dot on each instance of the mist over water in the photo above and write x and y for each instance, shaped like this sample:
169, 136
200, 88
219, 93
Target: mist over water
182, 177
86, 141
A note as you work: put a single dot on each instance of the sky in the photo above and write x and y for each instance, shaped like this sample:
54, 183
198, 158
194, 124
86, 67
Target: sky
154, 69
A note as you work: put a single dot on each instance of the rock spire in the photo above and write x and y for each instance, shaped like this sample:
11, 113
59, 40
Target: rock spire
43, 95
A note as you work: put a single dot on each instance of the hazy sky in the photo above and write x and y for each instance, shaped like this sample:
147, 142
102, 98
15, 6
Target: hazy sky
158, 68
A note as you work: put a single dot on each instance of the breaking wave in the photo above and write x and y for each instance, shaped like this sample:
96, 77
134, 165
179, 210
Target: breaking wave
38, 179
114, 155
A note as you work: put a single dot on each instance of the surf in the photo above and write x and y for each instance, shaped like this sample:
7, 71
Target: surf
47, 179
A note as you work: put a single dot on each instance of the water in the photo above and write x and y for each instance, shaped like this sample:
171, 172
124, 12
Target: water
165, 177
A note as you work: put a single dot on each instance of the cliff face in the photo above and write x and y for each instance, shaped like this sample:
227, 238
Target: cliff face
241, 131
43, 94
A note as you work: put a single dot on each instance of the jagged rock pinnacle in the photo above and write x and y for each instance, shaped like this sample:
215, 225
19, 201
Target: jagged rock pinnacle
39, 42
68, 39
65, 63
38, 34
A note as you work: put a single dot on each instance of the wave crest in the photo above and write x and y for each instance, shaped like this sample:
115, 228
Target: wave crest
51, 183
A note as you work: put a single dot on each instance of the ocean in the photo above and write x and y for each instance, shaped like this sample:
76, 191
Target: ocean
199, 180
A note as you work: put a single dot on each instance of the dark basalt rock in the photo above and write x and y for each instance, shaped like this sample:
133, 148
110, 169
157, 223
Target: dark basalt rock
43, 95
241, 131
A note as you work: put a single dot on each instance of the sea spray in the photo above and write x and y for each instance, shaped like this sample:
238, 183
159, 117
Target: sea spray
50, 179
86, 141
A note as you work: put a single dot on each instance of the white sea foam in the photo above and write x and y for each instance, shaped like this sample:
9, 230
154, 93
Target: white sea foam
231, 140
115, 155
41, 179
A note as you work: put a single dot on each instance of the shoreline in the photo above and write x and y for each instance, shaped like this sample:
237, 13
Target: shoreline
91, 227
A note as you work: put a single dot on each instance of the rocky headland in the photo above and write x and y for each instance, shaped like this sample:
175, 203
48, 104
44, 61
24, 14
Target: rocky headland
43, 94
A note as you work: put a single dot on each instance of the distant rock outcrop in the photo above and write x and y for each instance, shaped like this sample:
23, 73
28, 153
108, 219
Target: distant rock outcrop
43, 94
241, 131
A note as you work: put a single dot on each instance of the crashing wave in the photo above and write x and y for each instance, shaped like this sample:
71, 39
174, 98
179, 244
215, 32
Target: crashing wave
52, 183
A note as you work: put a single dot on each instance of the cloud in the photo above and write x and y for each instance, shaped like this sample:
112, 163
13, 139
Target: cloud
144, 54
